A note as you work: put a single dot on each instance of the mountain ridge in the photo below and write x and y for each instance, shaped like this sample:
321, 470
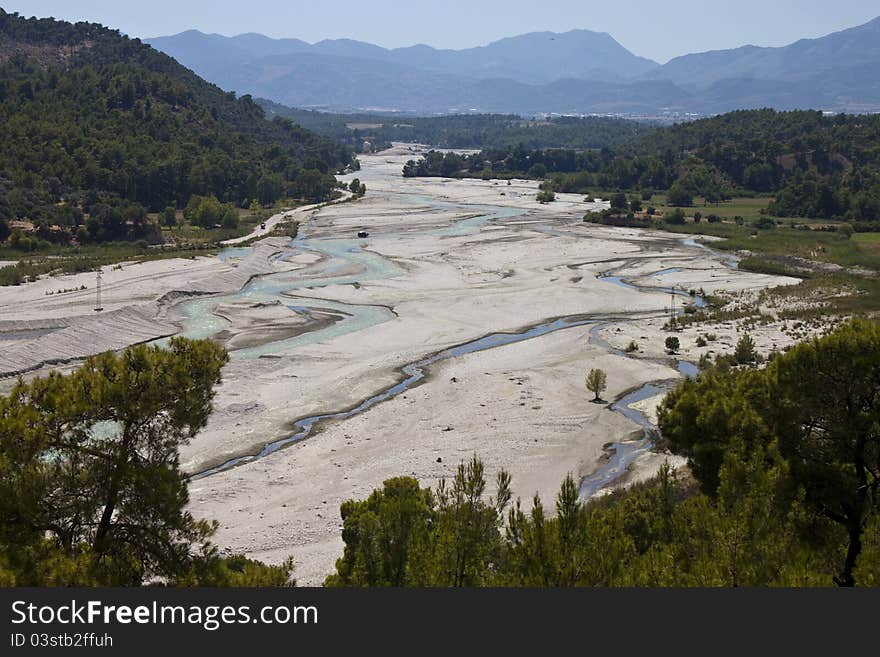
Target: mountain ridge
579, 71
799, 60
515, 57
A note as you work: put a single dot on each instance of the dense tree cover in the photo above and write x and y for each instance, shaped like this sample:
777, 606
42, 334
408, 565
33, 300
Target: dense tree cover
661, 533
818, 166
820, 404
91, 492
403, 535
95, 120
573, 171
207, 211
464, 130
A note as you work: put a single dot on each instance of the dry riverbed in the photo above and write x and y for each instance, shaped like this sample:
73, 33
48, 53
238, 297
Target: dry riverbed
325, 323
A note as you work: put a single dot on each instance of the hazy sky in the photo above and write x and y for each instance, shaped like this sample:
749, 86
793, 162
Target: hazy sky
652, 28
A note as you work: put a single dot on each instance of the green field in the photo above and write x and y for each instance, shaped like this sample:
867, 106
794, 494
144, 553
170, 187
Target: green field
89, 258
868, 243
790, 238
782, 250
746, 207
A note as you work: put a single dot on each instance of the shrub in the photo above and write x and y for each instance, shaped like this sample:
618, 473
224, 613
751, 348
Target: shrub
676, 217
745, 352
618, 201
679, 196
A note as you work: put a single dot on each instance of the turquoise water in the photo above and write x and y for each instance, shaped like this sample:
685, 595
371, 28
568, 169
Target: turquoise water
201, 322
345, 262
622, 455
235, 252
357, 318
413, 374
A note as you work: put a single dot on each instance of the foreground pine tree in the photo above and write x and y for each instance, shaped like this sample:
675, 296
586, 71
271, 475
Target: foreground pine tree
91, 491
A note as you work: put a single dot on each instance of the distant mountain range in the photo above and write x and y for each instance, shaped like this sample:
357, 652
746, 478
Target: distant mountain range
575, 72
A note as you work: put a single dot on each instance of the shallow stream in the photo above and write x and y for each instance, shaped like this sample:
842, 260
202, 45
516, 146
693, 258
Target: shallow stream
345, 262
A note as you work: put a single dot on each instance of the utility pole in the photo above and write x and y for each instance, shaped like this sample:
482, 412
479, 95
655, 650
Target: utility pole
98, 307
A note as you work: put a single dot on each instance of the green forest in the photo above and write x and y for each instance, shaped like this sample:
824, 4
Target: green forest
100, 129
816, 166
465, 130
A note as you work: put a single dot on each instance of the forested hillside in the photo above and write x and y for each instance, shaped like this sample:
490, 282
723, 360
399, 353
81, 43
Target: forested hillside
816, 165
99, 129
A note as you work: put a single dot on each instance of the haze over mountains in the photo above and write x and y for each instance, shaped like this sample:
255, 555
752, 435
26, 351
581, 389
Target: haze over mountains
575, 72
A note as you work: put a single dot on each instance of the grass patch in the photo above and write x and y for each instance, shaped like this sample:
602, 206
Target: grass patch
861, 250
764, 266
83, 259
839, 294
869, 239
749, 208
777, 251
820, 246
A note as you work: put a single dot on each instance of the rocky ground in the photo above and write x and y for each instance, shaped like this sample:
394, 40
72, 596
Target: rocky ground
321, 325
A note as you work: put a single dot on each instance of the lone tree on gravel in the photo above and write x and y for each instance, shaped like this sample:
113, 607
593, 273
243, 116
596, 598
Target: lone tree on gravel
597, 383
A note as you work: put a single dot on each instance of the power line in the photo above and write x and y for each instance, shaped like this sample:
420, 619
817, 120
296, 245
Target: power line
98, 307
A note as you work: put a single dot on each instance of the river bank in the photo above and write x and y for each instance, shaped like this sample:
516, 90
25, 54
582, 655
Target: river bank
448, 275
332, 322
